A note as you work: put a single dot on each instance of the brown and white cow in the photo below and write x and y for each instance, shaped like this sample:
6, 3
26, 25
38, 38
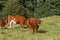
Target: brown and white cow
16, 19
11, 19
33, 24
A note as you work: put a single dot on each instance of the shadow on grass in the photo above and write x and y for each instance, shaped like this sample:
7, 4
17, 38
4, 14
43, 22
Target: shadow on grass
42, 31
18, 27
2, 32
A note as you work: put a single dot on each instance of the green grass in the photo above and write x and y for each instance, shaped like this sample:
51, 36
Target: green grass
48, 30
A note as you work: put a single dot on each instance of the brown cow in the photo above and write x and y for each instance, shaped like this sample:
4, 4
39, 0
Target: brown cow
2, 23
17, 19
11, 19
33, 24
21, 20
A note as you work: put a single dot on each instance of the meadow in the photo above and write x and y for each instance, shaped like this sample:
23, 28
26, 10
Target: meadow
48, 30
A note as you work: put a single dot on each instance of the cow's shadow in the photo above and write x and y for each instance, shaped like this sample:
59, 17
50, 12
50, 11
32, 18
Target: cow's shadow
42, 31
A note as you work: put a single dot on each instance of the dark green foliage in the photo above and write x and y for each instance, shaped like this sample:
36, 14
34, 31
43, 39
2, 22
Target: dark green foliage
30, 8
47, 8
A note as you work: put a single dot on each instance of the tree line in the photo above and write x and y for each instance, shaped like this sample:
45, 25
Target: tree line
29, 8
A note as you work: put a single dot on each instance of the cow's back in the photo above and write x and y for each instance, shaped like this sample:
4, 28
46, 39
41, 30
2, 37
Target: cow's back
20, 19
33, 21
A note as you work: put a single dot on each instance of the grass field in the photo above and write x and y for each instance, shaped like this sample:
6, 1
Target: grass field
49, 30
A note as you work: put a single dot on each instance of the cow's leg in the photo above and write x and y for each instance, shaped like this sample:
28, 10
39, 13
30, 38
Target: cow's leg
9, 24
0, 26
37, 28
33, 30
22, 25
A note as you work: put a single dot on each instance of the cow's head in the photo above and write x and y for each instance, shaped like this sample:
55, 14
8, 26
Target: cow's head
39, 22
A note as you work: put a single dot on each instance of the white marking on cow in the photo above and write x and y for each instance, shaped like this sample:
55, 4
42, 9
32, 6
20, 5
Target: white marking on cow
12, 22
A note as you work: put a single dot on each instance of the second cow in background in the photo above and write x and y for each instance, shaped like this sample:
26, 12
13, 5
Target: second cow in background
33, 24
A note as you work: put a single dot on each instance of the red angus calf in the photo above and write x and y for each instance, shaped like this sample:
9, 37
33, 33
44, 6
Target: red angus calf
33, 24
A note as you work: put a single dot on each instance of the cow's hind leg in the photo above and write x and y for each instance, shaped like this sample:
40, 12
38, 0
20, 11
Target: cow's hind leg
33, 30
0, 26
